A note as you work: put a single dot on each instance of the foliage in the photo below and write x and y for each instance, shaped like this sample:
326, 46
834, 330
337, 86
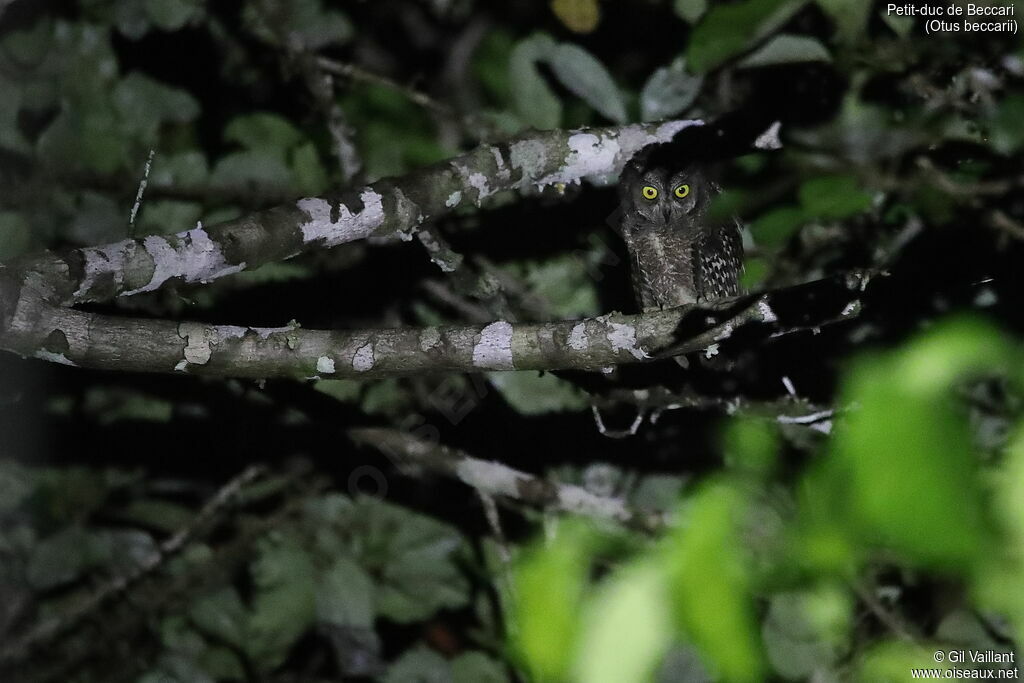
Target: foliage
848, 546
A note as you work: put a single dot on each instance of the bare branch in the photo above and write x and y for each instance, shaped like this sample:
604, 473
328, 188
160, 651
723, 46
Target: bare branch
92, 340
387, 208
496, 479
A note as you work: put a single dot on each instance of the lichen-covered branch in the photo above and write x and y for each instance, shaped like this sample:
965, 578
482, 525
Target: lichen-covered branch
86, 339
496, 479
390, 207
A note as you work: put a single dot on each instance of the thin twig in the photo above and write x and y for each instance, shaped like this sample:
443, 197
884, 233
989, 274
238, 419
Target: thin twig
141, 191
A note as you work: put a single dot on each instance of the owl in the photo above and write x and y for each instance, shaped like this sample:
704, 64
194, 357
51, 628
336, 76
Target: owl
677, 255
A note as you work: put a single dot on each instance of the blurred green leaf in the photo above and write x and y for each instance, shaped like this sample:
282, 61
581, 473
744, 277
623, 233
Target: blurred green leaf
786, 49
833, 197
476, 667
162, 216
905, 455
709, 585
533, 100
15, 235
690, 10
11, 137
171, 15
890, 662
538, 393
901, 26
419, 665
299, 25
755, 270
581, 16
564, 284
345, 595
626, 627
223, 615
1007, 134
264, 132
144, 103
284, 603
751, 445
310, 174
849, 16
252, 170
806, 632
186, 169
583, 75
775, 227
59, 559
550, 585
730, 29
669, 91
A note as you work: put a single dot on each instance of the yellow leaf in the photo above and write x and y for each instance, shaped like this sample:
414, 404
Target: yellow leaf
580, 16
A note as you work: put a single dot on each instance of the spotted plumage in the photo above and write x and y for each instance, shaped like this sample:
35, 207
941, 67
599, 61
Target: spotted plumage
677, 254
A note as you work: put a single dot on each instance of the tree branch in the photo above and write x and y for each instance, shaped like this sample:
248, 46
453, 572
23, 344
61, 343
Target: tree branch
389, 207
496, 479
92, 340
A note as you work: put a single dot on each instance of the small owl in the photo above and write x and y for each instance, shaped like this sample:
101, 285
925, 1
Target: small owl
677, 256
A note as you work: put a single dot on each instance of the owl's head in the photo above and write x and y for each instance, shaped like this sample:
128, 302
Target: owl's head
656, 197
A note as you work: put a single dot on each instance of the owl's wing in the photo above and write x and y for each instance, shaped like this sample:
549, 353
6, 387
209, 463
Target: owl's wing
719, 261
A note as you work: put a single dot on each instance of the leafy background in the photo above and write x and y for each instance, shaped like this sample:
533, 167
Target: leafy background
851, 547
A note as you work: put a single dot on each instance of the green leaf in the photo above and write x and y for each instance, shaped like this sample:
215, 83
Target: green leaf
15, 235
669, 91
728, 30
901, 26
805, 632
284, 604
59, 559
564, 284
419, 665
143, 104
1007, 134
221, 614
833, 197
926, 503
264, 132
710, 586
690, 10
751, 445
550, 583
11, 137
171, 15
850, 17
344, 595
533, 100
310, 175
776, 227
755, 270
581, 16
476, 667
303, 24
252, 170
185, 169
627, 627
538, 393
413, 558
583, 75
787, 49
80, 140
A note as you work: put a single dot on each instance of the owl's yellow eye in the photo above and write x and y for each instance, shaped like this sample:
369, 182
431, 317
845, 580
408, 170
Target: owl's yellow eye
649, 192
682, 191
